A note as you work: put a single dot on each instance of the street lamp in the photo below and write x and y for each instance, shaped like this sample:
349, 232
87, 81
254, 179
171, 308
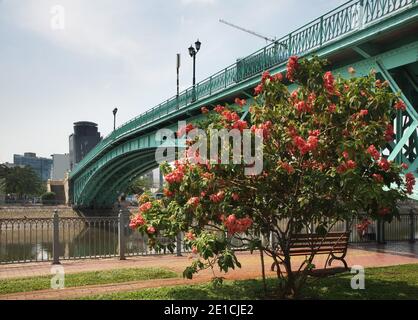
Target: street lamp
193, 51
114, 118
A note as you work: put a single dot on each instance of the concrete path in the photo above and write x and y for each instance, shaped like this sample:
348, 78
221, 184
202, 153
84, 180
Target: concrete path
366, 255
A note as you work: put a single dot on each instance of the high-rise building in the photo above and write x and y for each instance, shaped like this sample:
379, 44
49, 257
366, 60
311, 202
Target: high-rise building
42, 166
60, 165
84, 138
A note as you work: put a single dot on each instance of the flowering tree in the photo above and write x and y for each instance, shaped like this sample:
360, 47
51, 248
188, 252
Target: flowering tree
321, 165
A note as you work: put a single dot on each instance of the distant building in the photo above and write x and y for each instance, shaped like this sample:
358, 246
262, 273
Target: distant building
59, 188
60, 166
84, 138
42, 166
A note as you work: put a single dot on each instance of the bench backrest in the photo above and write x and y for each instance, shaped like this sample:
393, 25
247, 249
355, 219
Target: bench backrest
305, 243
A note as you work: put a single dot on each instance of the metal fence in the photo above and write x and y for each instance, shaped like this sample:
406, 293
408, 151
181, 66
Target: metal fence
69, 238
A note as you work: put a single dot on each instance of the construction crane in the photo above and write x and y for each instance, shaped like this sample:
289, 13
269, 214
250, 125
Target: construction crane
251, 32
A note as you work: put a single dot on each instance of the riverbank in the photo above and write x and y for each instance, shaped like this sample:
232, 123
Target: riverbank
12, 212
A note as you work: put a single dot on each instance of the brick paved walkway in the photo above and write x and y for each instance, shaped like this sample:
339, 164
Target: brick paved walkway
365, 255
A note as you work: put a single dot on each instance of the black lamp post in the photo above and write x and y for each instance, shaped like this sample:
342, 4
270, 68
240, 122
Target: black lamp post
114, 118
193, 52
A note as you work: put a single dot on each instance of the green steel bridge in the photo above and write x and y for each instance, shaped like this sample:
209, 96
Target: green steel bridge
365, 34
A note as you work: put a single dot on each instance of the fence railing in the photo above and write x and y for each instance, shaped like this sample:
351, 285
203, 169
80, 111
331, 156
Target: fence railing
70, 238
350, 17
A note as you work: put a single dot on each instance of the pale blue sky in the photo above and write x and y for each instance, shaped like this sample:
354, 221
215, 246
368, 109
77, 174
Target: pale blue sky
117, 53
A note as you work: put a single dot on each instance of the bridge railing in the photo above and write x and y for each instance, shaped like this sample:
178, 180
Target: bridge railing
342, 21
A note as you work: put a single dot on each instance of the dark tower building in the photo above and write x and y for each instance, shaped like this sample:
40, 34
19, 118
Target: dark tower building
84, 138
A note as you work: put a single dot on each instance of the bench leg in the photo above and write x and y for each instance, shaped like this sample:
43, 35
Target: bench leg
334, 257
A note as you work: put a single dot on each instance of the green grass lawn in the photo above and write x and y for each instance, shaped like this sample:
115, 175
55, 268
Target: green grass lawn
85, 278
398, 282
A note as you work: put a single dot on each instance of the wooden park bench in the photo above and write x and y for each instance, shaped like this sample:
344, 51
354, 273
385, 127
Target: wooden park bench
334, 244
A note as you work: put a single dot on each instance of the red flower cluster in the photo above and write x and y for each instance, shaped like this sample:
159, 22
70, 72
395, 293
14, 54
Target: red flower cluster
168, 193
277, 77
302, 106
292, 66
384, 164
137, 221
410, 182
190, 236
363, 112
204, 110
346, 165
235, 225
175, 176
235, 196
207, 175
294, 96
151, 230
145, 207
373, 152
265, 76
230, 116
400, 105
305, 146
258, 89
286, 166
389, 133
240, 102
332, 108
364, 225
193, 201
219, 108
240, 125
313, 164
329, 82
218, 197
184, 130
377, 177
266, 127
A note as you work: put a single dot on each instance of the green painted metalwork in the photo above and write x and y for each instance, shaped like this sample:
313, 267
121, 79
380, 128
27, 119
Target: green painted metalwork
349, 17
350, 22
